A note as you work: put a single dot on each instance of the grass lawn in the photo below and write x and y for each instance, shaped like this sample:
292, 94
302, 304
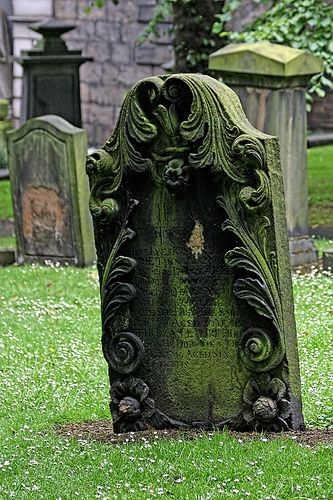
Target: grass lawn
53, 371
320, 184
7, 242
6, 206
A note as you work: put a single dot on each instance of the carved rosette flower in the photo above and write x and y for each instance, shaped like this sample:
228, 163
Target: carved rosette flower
265, 404
176, 176
130, 405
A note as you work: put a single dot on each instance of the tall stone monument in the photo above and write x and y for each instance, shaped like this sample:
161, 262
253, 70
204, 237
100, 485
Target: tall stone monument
51, 80
271, 82
50, 192
190, 230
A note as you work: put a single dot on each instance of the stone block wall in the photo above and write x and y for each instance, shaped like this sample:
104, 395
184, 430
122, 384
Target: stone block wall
109, 35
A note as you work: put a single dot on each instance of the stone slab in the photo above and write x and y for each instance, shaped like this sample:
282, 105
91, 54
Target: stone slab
302, 251
264, 58
320, 139
322, 231
7, 256
4, 174
328, 259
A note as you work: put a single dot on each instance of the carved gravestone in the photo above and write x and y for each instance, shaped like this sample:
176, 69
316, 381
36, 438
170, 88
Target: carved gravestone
50, 192
197, 309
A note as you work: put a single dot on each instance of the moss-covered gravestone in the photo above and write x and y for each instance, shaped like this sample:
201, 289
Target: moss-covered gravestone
190, 230
50, 192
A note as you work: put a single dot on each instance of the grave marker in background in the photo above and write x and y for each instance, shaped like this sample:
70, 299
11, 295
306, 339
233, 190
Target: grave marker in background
197, 309
271, 82
5, 126
50, 192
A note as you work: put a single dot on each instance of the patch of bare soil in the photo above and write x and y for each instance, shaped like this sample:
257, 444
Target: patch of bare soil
101, 431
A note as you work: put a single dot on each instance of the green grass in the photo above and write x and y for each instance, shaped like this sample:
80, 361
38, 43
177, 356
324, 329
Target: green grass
6, 206
53, 371
320, 185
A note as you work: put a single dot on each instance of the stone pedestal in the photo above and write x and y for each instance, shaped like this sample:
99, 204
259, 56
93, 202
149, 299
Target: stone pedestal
50, 192
51, 81
271, 82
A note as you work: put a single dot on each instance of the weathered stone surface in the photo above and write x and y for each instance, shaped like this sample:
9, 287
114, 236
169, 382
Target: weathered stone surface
328, 259
7, 256
50, 192
153, 55
265, 58
271, 82
197, 310
51, 79
5, 126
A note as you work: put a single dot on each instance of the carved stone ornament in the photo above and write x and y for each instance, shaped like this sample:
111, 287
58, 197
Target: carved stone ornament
190, 232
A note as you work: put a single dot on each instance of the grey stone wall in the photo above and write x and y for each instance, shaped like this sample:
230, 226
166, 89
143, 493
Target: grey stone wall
109, 35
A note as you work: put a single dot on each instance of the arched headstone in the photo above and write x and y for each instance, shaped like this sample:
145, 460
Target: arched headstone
50, 192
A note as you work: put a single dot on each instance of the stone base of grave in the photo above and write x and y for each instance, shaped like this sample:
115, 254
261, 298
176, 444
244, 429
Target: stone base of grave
328, 259
7, 227
7, 257
302, 251
322, 232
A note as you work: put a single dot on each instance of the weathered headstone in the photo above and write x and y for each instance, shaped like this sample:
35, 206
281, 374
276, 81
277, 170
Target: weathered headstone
6, 90
271, 82
328, 259
5, 126
50, 192
197, 309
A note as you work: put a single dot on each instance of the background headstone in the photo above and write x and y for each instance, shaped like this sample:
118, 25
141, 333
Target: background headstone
5, 126
197, 309
51, 80
50, 192
6, 90
271, 82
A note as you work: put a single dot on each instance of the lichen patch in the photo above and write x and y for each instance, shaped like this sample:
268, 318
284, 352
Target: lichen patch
197, 240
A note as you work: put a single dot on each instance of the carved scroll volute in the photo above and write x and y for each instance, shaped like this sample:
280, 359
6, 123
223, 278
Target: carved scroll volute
247, 204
